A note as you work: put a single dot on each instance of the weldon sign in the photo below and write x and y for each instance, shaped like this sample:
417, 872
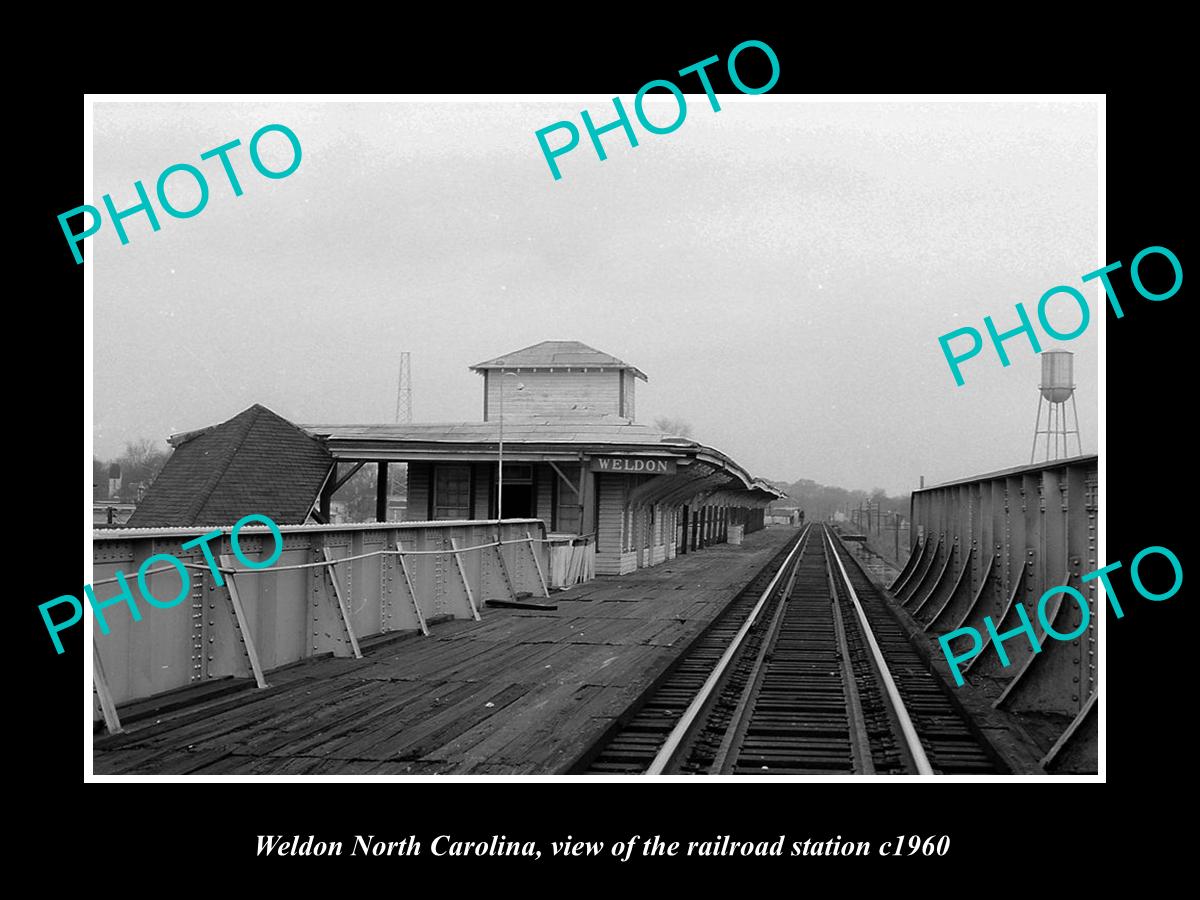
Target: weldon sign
644, 465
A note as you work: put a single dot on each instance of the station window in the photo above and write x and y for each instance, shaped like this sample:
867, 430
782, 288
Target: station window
567, 514
452, 492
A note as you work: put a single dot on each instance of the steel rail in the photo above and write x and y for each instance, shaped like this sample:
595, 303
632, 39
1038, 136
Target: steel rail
860, 739
739, 723
911, 739
680, 732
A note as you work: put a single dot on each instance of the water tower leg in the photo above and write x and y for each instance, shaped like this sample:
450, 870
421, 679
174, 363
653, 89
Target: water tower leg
1049, 428
1078, 438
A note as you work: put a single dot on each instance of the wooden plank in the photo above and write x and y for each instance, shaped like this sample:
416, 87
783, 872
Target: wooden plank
540, 717
509, 659
387, 700
227, 727
185, 697
230, 764
522, 604
205, 713
187, 762
292, 726
432, 732
365, 745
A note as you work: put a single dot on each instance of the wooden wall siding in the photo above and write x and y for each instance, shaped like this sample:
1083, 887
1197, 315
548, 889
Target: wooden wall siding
656, 552
646, 535
419, 474
610, 545
554, 393
630, 389
544, 478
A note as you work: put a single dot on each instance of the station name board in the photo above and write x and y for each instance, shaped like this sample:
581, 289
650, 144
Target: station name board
640, 464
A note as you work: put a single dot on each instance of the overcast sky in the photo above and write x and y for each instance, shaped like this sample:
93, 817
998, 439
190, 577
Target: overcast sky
780, 270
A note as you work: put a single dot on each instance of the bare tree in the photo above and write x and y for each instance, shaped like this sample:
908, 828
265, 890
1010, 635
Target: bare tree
142, 460
675, 426
359, 494
140, 464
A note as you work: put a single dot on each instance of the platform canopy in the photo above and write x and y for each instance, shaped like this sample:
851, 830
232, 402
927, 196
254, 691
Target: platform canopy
696, 467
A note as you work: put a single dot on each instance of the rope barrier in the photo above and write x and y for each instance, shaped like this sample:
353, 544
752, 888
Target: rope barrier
226, 571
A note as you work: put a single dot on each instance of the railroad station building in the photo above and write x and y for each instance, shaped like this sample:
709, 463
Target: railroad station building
558, 419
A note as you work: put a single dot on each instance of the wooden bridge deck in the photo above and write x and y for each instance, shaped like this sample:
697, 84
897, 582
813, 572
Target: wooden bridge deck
522, 691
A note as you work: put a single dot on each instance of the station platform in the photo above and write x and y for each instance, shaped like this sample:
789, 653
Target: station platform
520, 692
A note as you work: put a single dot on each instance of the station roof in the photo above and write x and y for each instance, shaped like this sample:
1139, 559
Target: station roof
529, 438
601, 429
259, 462
557, 355
256, 462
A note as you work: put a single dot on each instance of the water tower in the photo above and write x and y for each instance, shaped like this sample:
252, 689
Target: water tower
1057, 387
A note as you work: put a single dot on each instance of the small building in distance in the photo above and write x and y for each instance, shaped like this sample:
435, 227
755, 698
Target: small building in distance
783, 515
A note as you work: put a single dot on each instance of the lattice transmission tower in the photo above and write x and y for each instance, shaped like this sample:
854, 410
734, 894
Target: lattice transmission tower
404, 410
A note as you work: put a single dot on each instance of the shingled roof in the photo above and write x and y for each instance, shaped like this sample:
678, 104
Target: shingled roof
257, 462
557, 355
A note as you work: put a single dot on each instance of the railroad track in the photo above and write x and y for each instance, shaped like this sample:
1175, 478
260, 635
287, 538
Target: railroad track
809, 673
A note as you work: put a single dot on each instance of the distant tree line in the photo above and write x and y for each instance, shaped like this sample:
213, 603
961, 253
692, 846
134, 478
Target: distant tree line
359, 492
139, 465
674, 425
820, 501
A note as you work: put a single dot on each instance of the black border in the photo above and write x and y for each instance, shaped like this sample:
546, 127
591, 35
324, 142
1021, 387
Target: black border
1148, 495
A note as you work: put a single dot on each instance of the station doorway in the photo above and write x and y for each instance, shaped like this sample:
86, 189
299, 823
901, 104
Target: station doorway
520, 492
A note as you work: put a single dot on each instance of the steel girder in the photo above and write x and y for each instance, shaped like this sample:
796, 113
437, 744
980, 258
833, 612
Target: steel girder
984, 545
